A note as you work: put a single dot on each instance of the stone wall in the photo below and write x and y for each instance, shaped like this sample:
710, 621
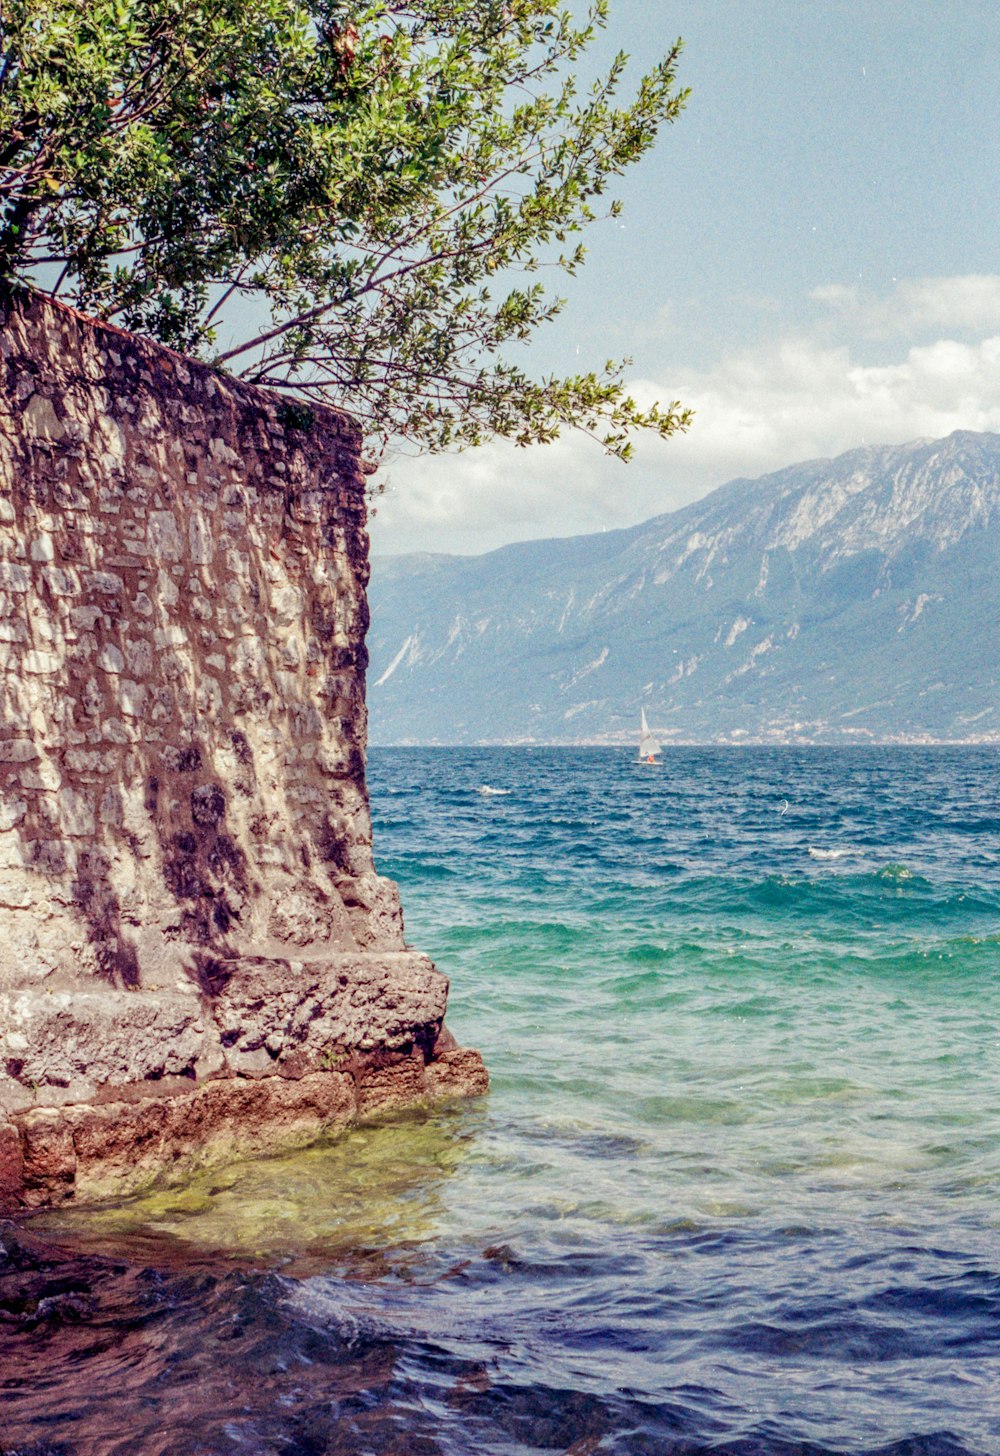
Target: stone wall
197, 957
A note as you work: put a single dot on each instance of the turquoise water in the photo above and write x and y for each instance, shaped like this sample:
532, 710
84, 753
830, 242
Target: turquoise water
735, 1188
793, 1011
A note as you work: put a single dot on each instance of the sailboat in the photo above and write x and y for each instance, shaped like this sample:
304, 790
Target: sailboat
648, 745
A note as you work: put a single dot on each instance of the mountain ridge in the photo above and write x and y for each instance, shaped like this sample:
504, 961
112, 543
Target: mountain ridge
844, 599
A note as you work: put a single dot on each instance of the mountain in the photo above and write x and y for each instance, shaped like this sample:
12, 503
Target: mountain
853, 599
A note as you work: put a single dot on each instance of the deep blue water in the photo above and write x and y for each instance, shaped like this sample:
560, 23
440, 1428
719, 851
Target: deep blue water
736, 1188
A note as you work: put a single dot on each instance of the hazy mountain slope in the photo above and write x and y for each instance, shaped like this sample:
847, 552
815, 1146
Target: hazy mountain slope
856, 596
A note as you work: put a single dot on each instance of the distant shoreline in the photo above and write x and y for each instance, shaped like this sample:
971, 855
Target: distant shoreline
741, 742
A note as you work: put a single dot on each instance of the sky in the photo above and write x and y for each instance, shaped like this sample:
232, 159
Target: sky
809, 259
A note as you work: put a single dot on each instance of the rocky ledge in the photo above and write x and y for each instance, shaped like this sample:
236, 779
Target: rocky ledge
111, 1092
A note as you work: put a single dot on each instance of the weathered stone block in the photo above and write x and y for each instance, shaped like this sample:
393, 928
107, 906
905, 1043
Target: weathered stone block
392, 1082
163, 537
14, 578
41, 418
11, 1163
457, 1072
49, 1158
92, 1038
17, 750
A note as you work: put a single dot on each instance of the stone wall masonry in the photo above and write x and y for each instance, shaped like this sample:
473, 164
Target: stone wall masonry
190, 917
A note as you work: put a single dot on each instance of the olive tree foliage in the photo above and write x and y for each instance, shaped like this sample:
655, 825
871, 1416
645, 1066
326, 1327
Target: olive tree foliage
364, 187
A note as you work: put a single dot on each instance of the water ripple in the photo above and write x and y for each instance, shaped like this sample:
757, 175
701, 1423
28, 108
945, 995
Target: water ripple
735, 1190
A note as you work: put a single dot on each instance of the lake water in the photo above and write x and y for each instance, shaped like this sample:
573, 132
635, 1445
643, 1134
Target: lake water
736, 1188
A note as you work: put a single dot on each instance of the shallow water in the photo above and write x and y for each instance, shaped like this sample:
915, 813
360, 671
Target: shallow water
735, 1188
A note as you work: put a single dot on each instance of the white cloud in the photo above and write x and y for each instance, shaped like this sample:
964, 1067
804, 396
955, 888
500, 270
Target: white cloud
916, 307
798, 400
798, 397
480, 499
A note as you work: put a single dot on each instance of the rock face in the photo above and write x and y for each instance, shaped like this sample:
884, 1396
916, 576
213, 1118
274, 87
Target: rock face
198, 958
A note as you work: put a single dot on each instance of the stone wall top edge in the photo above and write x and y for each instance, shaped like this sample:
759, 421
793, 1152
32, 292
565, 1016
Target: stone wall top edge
334, 425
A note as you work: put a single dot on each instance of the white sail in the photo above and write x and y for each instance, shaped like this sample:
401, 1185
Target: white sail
648, 745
